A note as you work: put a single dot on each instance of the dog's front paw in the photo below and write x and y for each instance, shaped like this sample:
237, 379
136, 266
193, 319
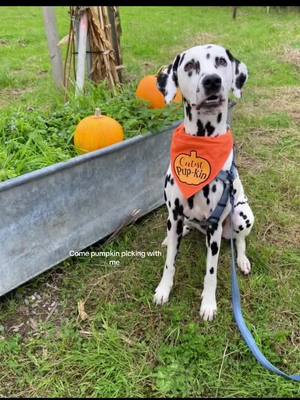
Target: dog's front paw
161, 295
244, 265
208, 310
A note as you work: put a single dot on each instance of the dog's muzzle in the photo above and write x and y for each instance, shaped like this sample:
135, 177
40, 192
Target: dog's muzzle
212, 101
211, 84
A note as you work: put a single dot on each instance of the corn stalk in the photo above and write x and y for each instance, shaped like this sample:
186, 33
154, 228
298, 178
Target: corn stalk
103, 47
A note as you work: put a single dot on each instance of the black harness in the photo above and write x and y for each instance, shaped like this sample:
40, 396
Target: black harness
227, 177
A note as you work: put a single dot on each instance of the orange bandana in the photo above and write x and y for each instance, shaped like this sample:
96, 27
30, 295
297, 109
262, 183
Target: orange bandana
197, 160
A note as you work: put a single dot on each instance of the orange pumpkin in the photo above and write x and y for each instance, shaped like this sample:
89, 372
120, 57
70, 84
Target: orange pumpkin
97, 131
147, 90
178, 97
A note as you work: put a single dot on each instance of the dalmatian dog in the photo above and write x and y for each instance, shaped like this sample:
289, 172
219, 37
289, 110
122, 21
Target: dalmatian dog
205, 76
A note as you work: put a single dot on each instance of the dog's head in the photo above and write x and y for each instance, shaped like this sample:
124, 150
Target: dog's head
205, 75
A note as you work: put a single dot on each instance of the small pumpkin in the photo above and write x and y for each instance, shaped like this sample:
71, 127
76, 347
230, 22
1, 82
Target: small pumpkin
178, 97
147, 90
97, 131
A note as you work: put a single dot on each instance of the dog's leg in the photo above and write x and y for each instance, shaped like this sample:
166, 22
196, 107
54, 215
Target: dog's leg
174, 235
208, 307
186, 231
242, 220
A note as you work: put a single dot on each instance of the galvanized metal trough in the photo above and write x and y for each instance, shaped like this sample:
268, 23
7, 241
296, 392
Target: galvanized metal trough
68, 206
71, 205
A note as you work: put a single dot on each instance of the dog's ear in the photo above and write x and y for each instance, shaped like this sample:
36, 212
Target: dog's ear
167, 81
239, 75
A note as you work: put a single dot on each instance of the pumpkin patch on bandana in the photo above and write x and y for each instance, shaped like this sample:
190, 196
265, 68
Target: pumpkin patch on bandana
197, 160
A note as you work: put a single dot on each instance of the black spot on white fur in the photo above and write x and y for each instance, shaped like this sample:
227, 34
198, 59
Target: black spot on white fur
240, 80
162, 82
200, 130
167, 179
206, 193
191, 202
190, 65
178, 210
210, 231
240, 203
214, 248
230, 56
209, 128
175, 66
188, 110
179, 227
208, 236
183, 55
244, 216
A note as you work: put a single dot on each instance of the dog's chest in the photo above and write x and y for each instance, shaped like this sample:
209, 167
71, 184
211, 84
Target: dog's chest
203, 203
199, 206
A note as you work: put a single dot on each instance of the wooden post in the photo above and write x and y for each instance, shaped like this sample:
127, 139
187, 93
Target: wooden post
83, 26
88, 57
234, 12
115, 35
54, 50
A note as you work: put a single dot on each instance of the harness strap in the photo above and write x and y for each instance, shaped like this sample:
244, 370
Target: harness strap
227, 177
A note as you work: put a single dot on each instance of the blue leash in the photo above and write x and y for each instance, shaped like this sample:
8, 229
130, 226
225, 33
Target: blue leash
228, 177
237, 312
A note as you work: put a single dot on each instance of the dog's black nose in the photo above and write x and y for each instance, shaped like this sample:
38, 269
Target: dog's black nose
211, 83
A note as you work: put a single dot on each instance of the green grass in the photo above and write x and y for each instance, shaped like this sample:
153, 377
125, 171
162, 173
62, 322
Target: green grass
127, 346
36, 126
30, 140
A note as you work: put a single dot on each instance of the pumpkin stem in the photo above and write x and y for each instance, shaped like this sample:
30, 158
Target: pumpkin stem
98, 112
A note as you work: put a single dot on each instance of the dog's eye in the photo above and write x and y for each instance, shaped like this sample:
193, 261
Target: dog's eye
221, 61
189, 66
